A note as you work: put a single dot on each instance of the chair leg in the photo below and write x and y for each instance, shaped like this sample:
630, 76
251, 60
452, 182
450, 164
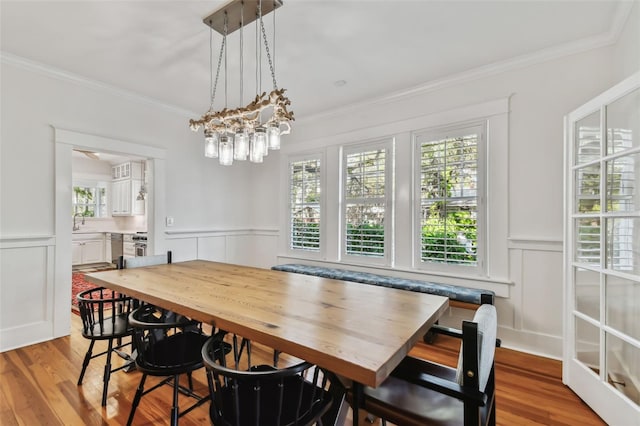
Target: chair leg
190, 381
107, 373
85, 363
174, 408
136, 399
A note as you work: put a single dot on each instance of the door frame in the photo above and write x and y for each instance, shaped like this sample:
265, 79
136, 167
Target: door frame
65, 142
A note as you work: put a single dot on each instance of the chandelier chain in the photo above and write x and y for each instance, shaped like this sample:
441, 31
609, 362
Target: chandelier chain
241, 54
266, 48
215, 86
226, 78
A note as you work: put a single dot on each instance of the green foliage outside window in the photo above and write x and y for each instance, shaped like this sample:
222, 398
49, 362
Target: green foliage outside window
365, 238
452, 239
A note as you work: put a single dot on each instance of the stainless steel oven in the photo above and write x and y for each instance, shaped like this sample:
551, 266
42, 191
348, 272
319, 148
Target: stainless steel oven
140, 243
141, 248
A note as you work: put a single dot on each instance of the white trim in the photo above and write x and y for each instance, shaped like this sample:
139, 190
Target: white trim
535, 243
105, 144
57, 73
200, 233
22, 241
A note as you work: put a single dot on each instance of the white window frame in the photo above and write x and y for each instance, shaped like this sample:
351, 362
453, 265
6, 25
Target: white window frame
299, 252
97, 185
441, 132
387, 144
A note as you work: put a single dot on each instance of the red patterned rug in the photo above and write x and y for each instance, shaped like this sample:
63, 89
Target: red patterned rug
78, 285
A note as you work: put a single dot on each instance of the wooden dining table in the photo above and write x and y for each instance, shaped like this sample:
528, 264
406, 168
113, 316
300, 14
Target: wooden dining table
356, 331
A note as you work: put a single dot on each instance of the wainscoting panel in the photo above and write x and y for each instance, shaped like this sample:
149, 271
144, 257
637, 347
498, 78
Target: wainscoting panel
251, 247
213, 248
26, 291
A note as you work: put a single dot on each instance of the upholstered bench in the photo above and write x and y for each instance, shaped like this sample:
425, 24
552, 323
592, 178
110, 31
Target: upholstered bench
459, 297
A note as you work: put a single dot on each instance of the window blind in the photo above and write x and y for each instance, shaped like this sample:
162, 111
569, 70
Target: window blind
304, 204
365, 202
449, 198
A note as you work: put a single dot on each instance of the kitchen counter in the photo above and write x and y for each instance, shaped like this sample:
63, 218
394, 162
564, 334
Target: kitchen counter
82, 231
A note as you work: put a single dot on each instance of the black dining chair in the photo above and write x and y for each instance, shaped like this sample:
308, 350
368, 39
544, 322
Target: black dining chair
419, 392
264, 395
105, 316
167, 345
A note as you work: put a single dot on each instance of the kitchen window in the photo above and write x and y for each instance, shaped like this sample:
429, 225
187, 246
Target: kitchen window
90, 200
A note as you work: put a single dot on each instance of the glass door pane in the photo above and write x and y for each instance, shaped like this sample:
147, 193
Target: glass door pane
588, 130
623, 122
602, 355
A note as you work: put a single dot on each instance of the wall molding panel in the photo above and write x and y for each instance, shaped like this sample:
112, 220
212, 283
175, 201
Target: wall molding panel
26, 295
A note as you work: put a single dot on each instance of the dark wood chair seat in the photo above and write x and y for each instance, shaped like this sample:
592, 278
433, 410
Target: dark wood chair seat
419, 392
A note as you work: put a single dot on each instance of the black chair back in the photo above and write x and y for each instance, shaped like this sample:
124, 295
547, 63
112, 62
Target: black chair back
264, 395
105, 316
104, 313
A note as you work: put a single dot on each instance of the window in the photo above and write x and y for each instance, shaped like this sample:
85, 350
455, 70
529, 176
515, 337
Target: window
89, 201
304, 204
366, 200
449, 168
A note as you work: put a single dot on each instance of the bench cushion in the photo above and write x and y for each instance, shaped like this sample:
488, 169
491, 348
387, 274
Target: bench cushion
453, 292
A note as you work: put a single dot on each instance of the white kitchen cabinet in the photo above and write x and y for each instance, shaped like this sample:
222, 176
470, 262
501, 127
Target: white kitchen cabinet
107, 248
125, 189
87, 248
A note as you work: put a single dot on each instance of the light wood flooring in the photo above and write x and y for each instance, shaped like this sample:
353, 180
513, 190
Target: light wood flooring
38, 387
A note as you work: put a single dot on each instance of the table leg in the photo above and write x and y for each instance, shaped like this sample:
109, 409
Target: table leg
357, 399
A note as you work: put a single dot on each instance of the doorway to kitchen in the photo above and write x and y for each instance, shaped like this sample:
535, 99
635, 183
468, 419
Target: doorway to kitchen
66, 142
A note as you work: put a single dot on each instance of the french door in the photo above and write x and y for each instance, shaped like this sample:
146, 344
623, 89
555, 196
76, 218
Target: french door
602, 253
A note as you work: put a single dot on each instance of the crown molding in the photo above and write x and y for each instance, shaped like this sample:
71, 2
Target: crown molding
608, 38
57, 73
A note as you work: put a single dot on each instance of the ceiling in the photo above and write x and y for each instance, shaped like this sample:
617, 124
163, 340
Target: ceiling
160, 49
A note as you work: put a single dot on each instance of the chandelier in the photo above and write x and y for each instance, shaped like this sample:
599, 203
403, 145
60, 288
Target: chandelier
248, 131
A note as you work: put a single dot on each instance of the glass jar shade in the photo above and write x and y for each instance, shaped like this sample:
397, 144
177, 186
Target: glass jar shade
211, 144
273, 136
241, 145
260, 140
256, 151
226, 151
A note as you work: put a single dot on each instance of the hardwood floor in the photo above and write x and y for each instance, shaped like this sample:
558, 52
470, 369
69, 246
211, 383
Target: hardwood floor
38, 387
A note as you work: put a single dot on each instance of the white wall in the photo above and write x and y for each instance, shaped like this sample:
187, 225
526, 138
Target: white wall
530, 313
198, 194
626, 59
